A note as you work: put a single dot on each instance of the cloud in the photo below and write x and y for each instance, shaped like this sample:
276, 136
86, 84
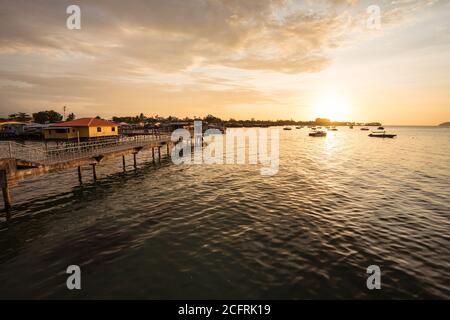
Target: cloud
171, 35
125, 46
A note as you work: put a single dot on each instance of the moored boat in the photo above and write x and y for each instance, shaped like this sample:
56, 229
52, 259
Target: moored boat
382, 134
319, 133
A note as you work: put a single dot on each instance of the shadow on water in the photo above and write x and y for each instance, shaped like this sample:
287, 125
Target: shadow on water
31, 209
33, 224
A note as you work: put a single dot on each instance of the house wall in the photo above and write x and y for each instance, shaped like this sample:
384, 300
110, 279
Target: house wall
85, 132
105, 131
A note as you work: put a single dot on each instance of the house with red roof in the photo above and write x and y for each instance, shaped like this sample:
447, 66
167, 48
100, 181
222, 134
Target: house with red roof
83, 128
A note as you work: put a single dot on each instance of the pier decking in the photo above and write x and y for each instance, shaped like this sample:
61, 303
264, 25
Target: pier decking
19, 161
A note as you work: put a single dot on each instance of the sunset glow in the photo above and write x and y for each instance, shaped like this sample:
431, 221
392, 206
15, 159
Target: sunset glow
332, 106
262, 59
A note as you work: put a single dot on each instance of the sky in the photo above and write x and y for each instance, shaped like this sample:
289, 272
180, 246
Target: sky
241, 59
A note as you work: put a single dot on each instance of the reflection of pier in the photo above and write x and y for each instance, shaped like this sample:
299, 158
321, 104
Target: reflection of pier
19, 162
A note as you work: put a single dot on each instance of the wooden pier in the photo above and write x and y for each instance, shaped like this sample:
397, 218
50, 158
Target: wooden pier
19, 161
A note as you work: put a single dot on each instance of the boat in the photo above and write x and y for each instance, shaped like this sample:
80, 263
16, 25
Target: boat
334, 129
365, 129
382, 134
380, 128
351, 127
298, 127
319, 133
287, 128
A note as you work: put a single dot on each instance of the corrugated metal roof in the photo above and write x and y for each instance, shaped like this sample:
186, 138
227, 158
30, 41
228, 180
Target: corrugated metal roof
85, 122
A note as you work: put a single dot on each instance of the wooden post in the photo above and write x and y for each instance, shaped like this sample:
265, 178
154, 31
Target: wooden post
123, 164
167, 149
7, 197
80, 179
153, 154
134, 160
94, 173
159, 153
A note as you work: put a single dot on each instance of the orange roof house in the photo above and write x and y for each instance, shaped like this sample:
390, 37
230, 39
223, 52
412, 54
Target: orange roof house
84, 128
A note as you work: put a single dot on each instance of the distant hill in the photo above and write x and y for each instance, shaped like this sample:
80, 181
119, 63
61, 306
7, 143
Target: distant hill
445, 124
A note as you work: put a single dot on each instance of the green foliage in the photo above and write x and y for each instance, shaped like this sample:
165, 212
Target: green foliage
48, 116
70, 117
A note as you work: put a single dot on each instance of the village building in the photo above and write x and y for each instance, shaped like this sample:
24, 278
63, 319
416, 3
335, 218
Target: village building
83, 128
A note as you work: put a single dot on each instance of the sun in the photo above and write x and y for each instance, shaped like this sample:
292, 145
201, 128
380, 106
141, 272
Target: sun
331, 106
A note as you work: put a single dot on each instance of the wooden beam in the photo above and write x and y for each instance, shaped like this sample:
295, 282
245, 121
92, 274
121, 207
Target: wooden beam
80, 178
94, 173
124, 164
134, 160
7, 199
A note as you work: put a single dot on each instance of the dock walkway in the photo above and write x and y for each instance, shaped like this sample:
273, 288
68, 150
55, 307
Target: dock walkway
21, 161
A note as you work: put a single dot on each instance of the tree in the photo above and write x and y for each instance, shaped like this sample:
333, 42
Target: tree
211, 119
70, 117
19, 116
47, 116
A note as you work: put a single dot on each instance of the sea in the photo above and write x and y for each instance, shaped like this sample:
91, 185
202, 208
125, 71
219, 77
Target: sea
336, 206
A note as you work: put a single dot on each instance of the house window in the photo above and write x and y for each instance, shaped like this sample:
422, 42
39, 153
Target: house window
99, 129
113, 129
60, 130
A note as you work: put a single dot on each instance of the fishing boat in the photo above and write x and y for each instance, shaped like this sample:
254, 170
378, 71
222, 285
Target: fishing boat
319, 133
382, 134
351, 127
365, 129
334, 129
380, 128
287, 128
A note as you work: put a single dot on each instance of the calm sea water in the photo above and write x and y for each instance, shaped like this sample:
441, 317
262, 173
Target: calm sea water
337, 205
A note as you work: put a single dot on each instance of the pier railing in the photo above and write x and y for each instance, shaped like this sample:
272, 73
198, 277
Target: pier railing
75, 150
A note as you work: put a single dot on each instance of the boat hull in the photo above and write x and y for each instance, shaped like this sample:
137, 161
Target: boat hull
382, 135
